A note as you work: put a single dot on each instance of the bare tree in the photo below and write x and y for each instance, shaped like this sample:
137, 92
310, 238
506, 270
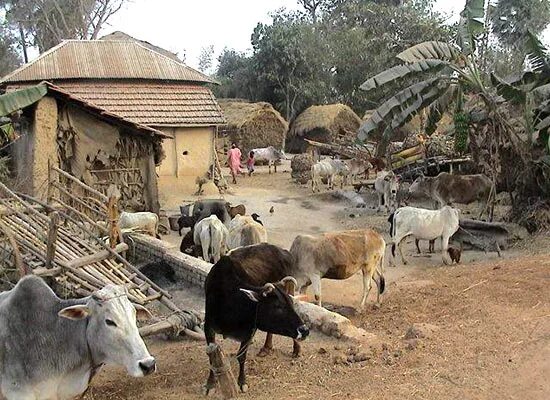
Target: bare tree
312, 7
45, 23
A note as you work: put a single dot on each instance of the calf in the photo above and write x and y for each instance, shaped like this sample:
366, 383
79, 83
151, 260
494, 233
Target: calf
236, 309
245, 231
50, 348
270, 155
445, 189
357, 167
339, 255
425, 225
386, 186
146, 222
211, 234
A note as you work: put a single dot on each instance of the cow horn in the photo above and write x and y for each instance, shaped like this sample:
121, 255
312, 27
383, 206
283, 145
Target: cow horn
290, 279
268, 288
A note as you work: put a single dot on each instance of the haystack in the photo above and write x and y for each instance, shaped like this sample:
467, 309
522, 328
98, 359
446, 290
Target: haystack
253, 125
324, 124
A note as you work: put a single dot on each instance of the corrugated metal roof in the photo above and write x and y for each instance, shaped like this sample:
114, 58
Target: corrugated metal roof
104, 59
153, 104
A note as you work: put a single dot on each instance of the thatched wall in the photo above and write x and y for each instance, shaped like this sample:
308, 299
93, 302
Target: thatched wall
253, 125
323, 124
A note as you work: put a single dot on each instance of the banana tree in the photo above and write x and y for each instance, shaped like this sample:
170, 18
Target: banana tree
443, 72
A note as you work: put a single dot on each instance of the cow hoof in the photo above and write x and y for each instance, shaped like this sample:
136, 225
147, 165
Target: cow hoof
244, 388
376, 306
206, 390
296, 354
264, 352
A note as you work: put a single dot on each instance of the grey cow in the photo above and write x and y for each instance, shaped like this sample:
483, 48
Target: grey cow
50, 348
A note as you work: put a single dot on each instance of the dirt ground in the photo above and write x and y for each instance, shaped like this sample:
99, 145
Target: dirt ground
491, 317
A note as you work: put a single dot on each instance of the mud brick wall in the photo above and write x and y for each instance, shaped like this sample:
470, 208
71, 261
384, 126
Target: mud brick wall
146, 249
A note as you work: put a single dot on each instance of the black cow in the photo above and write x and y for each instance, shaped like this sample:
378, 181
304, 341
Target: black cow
194, 212
237, 309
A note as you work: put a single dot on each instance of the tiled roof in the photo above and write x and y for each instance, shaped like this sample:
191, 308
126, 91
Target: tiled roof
104, 59
153, 104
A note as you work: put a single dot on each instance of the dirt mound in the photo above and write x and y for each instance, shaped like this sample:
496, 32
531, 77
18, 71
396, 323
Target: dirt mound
301, 168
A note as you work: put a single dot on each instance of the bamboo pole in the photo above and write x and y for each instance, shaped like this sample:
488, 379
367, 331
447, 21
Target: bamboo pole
75, 198
96, 257
81, 184
52, 239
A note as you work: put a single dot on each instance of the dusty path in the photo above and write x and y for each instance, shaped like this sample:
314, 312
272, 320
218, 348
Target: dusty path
492, 318
492, 342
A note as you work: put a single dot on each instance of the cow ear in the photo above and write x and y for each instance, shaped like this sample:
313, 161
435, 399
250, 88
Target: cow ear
142, 314
252, 295
75, 313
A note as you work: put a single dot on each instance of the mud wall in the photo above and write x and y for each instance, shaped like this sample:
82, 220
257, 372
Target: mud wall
45, 147
168, 167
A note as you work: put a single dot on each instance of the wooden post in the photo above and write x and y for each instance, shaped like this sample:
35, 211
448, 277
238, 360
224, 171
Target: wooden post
52, 239
222, 371
115, 236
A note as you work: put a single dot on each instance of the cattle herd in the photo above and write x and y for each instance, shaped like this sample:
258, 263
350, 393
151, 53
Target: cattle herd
251, 286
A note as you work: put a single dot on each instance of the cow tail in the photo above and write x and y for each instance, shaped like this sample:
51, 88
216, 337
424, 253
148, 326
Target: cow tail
391, 220
380, 270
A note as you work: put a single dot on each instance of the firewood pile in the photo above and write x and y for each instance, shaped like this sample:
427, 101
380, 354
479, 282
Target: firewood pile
61, 243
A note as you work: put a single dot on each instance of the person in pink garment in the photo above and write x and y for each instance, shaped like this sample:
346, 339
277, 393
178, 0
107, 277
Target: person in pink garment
234, 161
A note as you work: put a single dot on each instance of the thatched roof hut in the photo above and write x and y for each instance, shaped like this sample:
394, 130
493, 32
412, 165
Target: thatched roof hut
324, 124
253, 125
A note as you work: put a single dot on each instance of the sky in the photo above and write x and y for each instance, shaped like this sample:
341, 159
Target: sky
186, 26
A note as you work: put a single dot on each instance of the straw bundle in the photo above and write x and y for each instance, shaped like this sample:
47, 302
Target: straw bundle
324, 124
301, 167
253, 125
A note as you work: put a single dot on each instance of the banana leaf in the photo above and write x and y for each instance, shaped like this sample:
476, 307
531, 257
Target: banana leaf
400, 107
429, 51
471, 24
439, 107
22, 98
537, 55
401, 71
509, 92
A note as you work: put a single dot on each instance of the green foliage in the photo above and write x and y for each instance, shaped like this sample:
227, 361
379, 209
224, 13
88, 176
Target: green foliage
512, 20
9, 57
296, 63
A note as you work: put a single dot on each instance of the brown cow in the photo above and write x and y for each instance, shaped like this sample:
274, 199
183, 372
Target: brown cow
446, 189
237, 210
339, 255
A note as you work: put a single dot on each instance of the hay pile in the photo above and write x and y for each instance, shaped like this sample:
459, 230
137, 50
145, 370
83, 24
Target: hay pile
253, 125
301, 168
323, 124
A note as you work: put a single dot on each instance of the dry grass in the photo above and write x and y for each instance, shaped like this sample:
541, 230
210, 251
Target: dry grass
254, 125
322, 123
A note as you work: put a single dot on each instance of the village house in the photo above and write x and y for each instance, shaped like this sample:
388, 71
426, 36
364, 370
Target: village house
56, 128
129, 78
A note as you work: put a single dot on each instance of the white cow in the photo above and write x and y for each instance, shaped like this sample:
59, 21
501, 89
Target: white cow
269, 154
211, 234
50, 348
146, 222
245, 231
329, 169
386, 186
424, 225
